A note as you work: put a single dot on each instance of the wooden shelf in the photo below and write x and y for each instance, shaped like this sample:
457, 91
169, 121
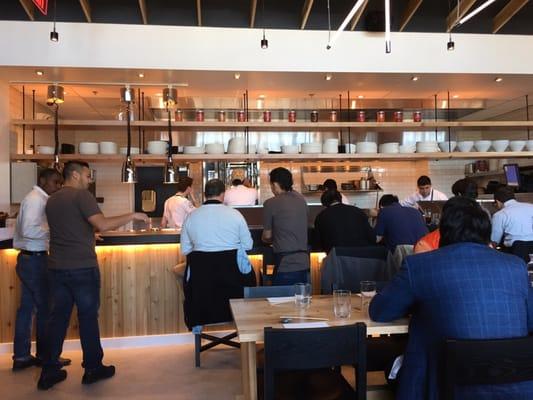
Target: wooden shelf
484, 174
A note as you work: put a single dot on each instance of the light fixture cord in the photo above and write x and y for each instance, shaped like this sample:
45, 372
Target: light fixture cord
263, 15
55, 13
128, 153
56, 128
329, 24
169, 134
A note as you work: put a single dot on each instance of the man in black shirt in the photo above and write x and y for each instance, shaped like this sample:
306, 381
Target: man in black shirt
342, 225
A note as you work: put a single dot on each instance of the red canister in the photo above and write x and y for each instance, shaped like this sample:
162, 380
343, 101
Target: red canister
292, 116
380, 116
333, 116
417, 116
314, 116
222, 116
398, 116
361, 116
267, 116
241, 116
199, 115
179, 116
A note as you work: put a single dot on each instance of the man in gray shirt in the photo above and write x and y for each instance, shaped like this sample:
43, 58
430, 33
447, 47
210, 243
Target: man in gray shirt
285, 226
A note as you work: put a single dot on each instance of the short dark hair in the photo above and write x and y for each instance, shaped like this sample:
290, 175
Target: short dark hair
463, 220
503, 194
465, 187
330, 184
214, 188
236, 182
74, 165
184, 183
329, 197
48, 173
423, 181
283, 177
387, 199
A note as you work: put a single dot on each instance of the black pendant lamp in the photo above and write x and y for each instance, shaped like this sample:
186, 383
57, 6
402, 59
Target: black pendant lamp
55, 96
170, 99
128, 175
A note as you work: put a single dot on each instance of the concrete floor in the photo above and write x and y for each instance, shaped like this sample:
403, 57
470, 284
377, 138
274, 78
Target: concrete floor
165, 372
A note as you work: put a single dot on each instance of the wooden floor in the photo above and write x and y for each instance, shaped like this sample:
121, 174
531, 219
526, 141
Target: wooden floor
145, 373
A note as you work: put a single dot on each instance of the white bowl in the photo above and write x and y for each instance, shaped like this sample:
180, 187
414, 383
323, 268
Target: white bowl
529, 145
446, 147
500, 145
88, 148
311, 148
517, 145
193, 150
214, 148
45, 149
427, 147
329, 148
289, 149
157, 147
108, 148
133, 150
367, 147
465, 146
482, 145
407, 148
389, 148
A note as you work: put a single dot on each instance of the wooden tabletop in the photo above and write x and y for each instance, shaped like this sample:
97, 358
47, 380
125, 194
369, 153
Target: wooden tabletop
251, 316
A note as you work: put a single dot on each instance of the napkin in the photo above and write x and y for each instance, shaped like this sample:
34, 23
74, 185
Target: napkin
279, 300
302, 325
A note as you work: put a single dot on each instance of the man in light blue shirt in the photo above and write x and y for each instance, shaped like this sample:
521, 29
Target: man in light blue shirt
216, 227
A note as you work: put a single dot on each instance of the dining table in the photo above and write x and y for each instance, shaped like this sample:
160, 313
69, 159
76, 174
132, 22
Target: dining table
251, 316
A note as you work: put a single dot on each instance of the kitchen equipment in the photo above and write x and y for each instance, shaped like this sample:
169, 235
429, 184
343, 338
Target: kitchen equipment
333, 116
482, 145
446, 147
108, 148
157, 147
45, 150
179, 116
380, 116
364, 183
470, 168
482, 165
88, 148
221, 116
347, 186
517, 145
398, 116
465, 146
314, 116
417, 116
292, 116
133, 150
361, 116
241, 116
267, 116
199, 115
500, 145
313, 187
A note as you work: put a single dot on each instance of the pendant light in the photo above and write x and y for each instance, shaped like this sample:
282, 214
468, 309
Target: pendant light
55, 96
128, 175
54, 35
170, 99
264, 41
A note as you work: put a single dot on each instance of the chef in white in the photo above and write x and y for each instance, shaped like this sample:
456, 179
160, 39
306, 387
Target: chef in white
425, 192
240, 195
179, 206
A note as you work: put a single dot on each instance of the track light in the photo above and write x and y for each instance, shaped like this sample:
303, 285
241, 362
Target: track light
264, 41
498, 79
328, 77
54, 35
237, 75
348, 18
451, 45
387, 27
414, 78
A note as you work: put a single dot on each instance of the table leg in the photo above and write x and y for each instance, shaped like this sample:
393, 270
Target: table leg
249, 374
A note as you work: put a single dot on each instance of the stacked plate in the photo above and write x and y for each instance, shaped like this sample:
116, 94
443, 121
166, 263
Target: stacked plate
367, 147
311, 148
157, 147
427, 147
289, 149
88, 148
389, 148
214, 148
193, 150
108, 148
330, 146
407, 148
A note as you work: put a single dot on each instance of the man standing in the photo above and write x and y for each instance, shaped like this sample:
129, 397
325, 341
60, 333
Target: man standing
31, 238
285, 226
463, 290
73, 216
425, 192
179, 206
240, 195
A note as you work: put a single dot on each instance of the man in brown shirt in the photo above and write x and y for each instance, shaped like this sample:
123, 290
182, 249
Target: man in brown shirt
73, 217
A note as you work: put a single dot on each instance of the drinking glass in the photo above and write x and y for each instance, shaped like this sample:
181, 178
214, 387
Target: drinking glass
368, 290
302, 295
342, 304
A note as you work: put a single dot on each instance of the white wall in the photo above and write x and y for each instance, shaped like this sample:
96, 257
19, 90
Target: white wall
194, 48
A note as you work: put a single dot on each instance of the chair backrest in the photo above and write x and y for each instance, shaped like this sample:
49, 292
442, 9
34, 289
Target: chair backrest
522, 249
487, 362
254, 292
293, 349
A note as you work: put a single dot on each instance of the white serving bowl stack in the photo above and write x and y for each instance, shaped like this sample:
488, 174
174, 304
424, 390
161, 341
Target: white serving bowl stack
447, 147
482, 145
427, 147
157, 147
367, 147
389, 148
330, 146
133, 150
465, 146
289, 149
311, 148
108, 148
237, 145
194, 150
500, 145
45, 150
214, 148
407, 148
88, 148
517, 145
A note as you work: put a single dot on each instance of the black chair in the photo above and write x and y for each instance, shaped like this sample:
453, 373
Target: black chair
487, 362
210, 280
255, 292
316, 354
522, 249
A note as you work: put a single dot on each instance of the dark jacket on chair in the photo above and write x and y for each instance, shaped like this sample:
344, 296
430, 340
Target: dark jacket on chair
460, 291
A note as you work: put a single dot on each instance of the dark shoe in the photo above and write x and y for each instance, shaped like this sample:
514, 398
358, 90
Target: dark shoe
50, 378
63, 362
96, 374
19, 365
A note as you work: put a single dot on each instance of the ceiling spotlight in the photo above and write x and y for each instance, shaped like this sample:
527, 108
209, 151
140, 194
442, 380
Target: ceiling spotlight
414, 78
264, 41
236, 75
498, 79
328, 77
455, 96
141, 75
39, 72
360, 96
261, 96
451, 44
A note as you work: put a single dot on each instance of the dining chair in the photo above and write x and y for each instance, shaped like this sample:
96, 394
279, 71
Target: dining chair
487, 362
311, 358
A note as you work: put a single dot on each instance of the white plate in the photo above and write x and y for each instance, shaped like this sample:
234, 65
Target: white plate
133, 150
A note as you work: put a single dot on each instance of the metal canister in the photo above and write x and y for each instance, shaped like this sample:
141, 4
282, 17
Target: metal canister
179, 116
361, 116
267, 116
314, 116
333, 116
417, 116
222, 116
292, 116
380, 116
199, 115
398, 116
241, 116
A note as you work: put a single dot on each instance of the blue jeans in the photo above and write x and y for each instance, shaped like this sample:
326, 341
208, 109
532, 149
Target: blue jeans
290, 278
69, 287
31, 270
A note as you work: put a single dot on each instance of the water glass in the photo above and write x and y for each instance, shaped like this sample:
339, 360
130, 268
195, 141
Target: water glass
302, 295
342, 304
368, 290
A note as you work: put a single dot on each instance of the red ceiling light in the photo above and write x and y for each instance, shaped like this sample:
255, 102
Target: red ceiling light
42, 6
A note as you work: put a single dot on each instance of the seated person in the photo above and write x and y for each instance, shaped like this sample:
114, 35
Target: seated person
463, 290
341, 225
239, 194
331, 184
398, 225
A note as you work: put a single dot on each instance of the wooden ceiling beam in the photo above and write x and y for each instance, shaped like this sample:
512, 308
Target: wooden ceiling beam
306, 10
29, 8
199, 11
454, 17
408, 13
144, 11
86, 7
507, 12
253, 9
358, 15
